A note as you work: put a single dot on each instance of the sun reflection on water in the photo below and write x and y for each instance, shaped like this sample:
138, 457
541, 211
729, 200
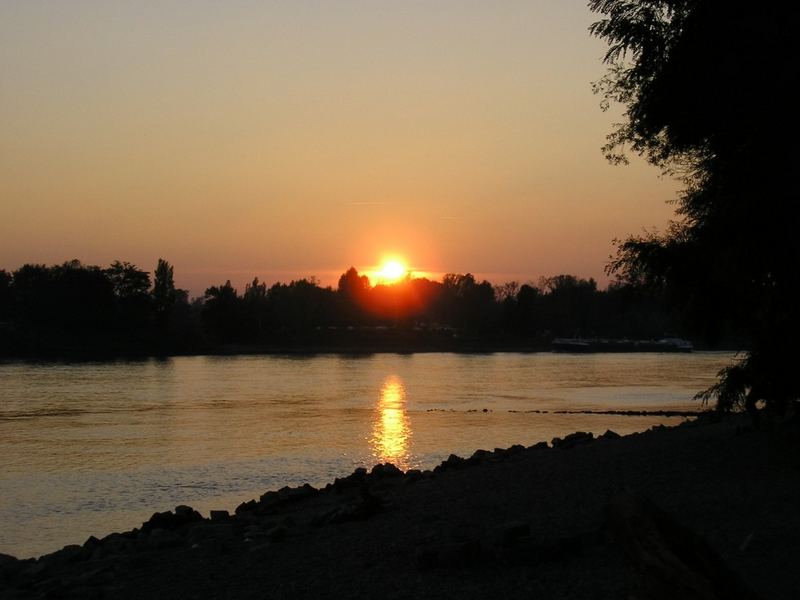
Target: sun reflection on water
391, 433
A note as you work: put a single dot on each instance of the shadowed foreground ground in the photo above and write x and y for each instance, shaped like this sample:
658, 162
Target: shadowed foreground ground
516, 523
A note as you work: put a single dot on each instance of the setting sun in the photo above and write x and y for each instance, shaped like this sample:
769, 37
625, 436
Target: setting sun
391, 271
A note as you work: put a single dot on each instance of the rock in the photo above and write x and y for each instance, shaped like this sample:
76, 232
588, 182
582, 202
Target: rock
67, 554
462, 555
285, 495
539, 446
355, 479
412, 475
365, 507
158, 520
87, 550
10, 565
385, 471
269, 499
572, 440
164, 538
258, 548
457, 555
36, 568
168, 520
95, 577
528, 551
610, 435
252, 532
276, 534
479, 456
452, 462
511, 533
304, 491
219, 515
216, 531
7, 559
427, 559
186, 512
247, 507
115, 543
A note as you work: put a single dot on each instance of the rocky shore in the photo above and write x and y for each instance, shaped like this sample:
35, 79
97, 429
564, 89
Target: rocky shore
704, 510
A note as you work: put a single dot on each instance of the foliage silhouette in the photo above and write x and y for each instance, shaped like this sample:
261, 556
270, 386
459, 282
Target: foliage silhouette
6, 295
73, 309
353, 290
132, 292
256, 308
708, 94
223, 313
164, 294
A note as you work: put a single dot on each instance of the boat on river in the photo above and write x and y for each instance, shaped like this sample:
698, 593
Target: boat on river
621, 345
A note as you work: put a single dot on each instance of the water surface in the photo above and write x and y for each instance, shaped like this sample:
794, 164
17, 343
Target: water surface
92, 448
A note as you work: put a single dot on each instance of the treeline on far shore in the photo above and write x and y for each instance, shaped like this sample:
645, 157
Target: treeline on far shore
79, 310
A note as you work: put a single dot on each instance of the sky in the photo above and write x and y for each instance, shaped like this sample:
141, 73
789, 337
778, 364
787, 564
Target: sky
295, 139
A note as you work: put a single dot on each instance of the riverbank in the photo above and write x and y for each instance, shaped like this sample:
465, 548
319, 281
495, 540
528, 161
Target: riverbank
520, 522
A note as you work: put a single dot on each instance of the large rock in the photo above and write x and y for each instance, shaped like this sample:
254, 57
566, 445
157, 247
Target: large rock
182, 516
572, 440
9, 565
385, 471
479, 456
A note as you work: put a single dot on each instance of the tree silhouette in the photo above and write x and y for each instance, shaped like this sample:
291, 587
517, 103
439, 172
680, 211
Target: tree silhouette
164, 294
34, 302
223, 314
73, 309
300, 306
84, 297
527, 315
466, 303
353, 291
163, 287
708, 94
131, 286
128, 280
6, 295
256, 306
570, 305
63, 306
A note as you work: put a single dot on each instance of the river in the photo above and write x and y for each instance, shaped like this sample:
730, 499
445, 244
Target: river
91, 448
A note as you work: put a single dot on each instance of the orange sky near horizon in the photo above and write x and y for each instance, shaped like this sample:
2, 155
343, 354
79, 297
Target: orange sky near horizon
286, 140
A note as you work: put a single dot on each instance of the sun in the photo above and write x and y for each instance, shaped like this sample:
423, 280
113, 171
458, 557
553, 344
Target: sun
391, 271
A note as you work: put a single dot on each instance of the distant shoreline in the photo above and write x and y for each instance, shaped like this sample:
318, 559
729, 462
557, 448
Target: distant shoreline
465, 346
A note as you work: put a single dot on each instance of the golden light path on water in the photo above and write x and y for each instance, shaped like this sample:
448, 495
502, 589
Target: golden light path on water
391, 434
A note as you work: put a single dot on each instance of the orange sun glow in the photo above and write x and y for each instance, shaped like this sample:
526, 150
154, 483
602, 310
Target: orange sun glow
392, 271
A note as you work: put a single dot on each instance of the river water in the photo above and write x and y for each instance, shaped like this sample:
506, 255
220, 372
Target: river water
91, 448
